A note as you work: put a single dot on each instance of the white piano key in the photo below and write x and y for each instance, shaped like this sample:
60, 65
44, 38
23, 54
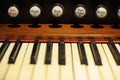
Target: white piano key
27, 68
40, 67
93, 70
53, 68
80, 70
105, 69
4, 63
1, 44
66, 71
118, 47
114, 66
14, 69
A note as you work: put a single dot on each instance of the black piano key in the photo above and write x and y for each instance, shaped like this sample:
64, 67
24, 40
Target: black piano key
48, 55
14, 52
3, 48
35, 52
114, 52
62, 53
95, 53
82, 53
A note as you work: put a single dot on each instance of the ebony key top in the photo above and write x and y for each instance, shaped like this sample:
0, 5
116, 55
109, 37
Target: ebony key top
62, 53
95, 53
82, 53
14, 52
3, 48
35, 52
114, 52
48, 55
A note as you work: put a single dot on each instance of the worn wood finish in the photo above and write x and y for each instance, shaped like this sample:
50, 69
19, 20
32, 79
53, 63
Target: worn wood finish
65, 32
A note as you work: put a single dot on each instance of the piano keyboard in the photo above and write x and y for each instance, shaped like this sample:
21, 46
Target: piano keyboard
59, 60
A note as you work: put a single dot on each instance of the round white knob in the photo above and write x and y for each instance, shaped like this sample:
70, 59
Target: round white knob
118, 13
80, 12
13, 11
57, 11
35, 11
101, 12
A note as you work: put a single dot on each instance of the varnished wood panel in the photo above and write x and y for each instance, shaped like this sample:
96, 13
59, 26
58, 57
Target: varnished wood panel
65, 32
